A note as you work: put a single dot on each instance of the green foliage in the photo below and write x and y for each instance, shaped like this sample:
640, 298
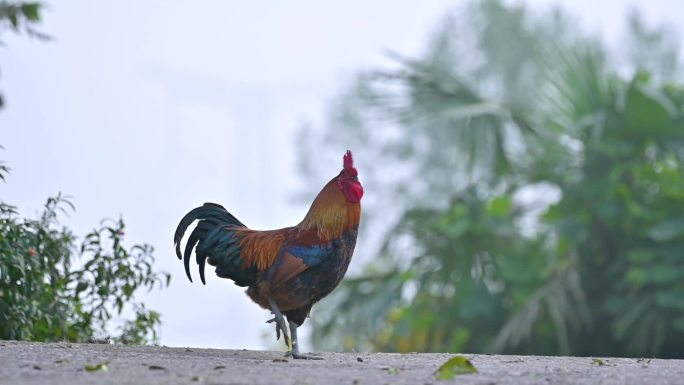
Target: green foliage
18, 17
47, 295
51, 287
4, 170
21, 16
540, 205
141, 329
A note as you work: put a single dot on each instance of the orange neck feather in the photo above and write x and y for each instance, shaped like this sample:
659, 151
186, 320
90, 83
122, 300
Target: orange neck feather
331, 214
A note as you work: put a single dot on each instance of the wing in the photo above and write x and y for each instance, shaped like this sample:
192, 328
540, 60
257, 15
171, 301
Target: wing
295, 258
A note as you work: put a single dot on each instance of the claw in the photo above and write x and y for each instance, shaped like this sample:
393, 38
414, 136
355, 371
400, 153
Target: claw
272, 320
280, 323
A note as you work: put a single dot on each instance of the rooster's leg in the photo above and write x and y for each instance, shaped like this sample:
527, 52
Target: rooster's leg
295, 346
281, 326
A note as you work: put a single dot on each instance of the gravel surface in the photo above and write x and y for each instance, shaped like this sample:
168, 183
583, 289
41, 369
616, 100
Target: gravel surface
65, 363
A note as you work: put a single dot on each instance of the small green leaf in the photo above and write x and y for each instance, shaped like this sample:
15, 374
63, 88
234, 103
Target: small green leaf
647, 109
13, 19
454, 366
500, 206
598, 362
101, 367
31, 11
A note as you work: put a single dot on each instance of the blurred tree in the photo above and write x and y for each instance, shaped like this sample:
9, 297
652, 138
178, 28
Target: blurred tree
525, 194
44, 294
20, 16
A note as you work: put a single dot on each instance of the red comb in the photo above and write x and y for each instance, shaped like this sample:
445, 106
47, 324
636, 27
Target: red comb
348, 161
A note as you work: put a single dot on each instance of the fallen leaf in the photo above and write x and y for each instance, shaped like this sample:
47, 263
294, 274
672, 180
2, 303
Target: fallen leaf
598, 362
391, 370
217, 367
101, 367
36, 367
280, 360
359, 359
156, 367
454, 366
196, 379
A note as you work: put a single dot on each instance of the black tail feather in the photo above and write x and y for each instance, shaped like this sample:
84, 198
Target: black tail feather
214, 220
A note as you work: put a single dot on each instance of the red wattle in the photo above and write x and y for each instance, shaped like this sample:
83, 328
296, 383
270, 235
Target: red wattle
356, 192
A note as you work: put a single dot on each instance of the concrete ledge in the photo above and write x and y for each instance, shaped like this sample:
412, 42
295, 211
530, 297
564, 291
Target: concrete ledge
64, 363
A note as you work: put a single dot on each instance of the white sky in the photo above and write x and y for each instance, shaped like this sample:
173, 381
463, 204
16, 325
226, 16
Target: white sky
148, 109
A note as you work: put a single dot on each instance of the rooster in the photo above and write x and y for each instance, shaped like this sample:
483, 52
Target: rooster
288, 270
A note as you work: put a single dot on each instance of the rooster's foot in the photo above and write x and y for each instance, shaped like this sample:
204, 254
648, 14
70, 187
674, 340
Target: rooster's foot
279, 320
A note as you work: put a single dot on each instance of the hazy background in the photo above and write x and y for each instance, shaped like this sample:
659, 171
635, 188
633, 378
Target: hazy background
147, 109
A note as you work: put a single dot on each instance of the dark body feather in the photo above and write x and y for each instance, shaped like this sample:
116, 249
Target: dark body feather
298, 294
295, 266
